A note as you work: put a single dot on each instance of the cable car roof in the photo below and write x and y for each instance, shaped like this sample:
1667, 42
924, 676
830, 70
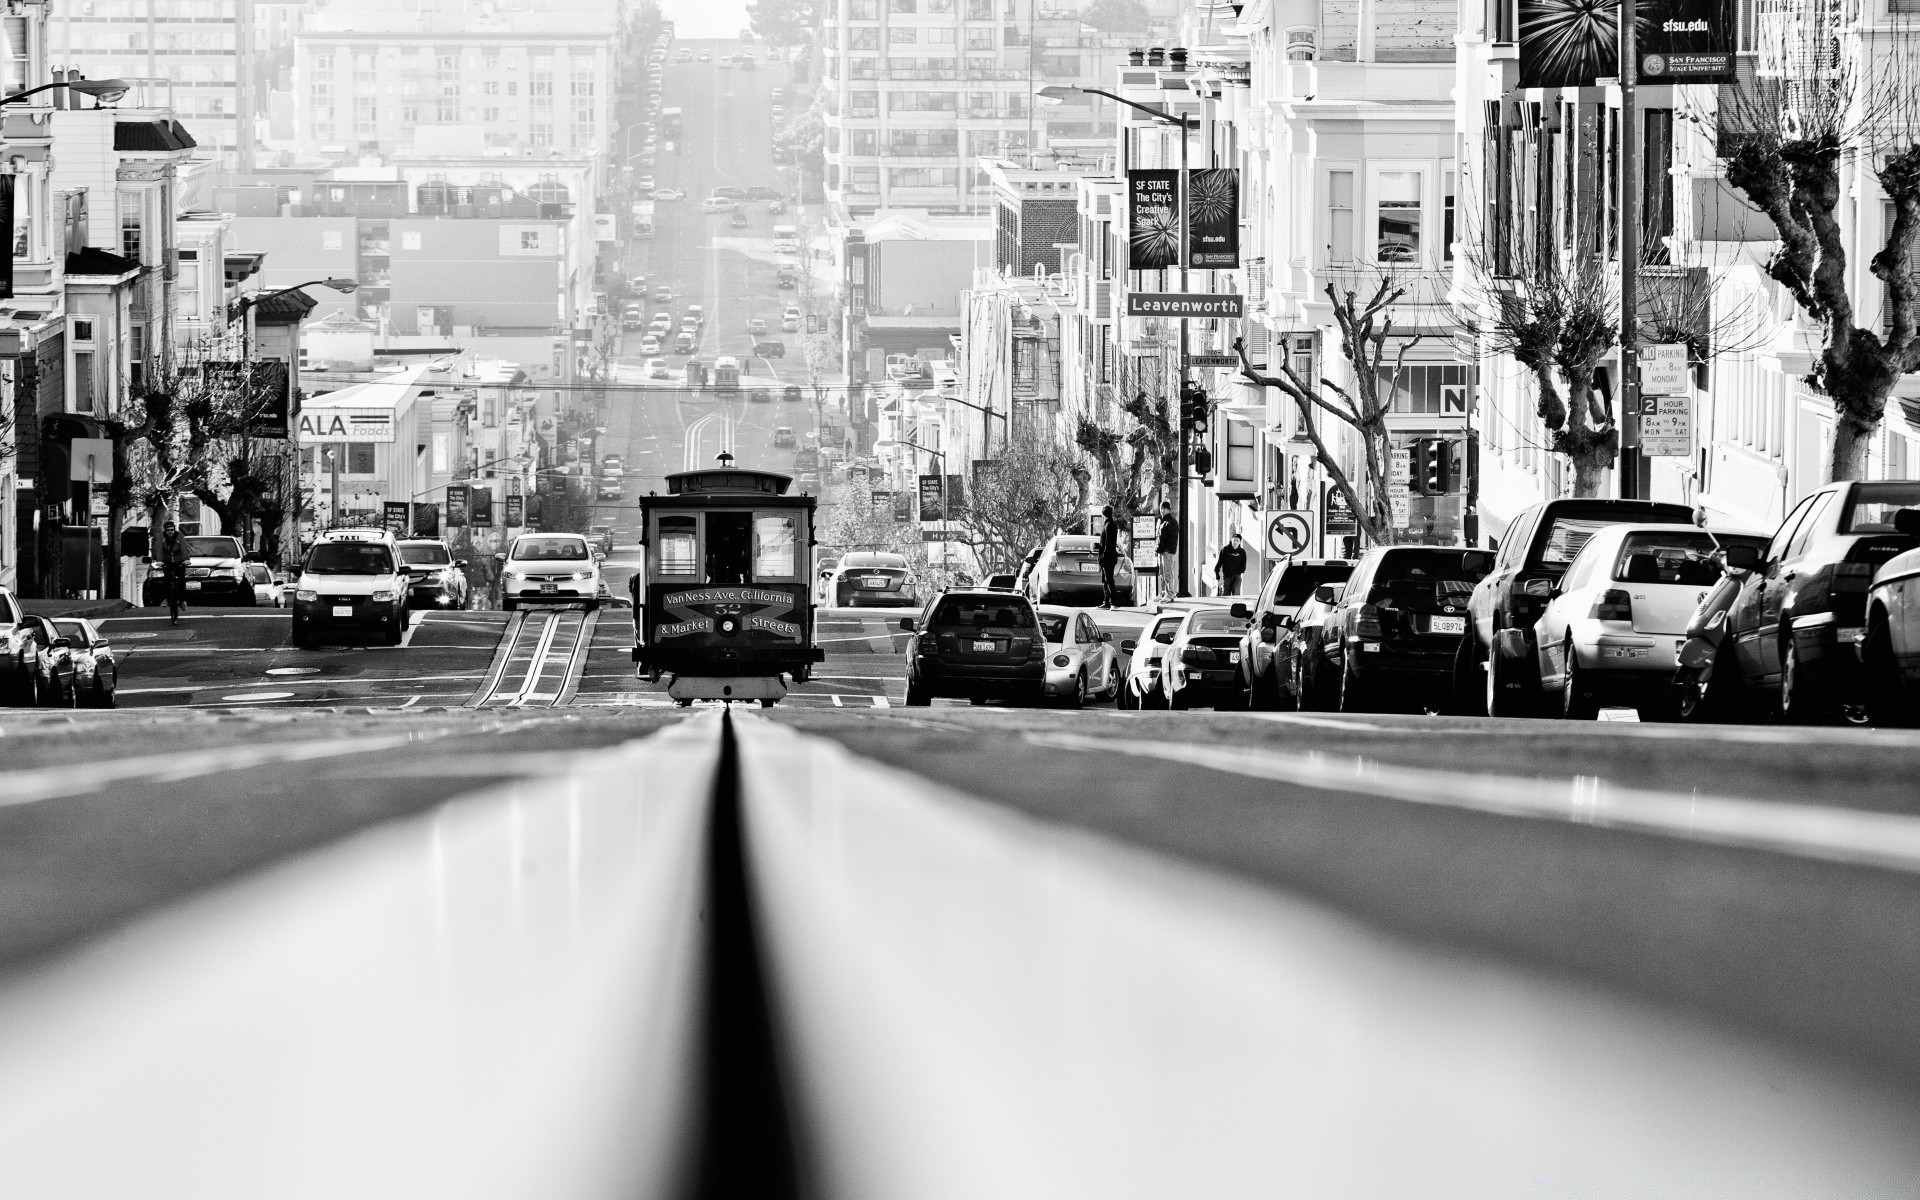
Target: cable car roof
728, 480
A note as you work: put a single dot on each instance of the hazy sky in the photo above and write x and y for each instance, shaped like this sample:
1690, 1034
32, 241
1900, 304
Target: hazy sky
705, 18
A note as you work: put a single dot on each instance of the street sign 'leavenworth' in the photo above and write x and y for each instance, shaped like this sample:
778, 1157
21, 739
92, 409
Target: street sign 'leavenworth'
1184, 304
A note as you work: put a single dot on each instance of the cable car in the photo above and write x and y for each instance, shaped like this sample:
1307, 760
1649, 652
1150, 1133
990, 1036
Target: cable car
723, 601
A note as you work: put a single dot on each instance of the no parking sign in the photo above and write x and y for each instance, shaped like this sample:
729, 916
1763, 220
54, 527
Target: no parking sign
1288, 534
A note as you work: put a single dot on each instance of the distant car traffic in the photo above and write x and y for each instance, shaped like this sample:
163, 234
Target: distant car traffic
756, 325
758, 191
650, 345
873, 578
740, 220
434, 578
718, 204
1081, 663
668, 194
976, 645
644, 184
783, 436
770, 349
657, 369
760, 396
705, 57
791, 394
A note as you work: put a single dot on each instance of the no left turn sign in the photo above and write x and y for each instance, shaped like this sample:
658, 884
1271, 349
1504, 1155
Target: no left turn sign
1289, 533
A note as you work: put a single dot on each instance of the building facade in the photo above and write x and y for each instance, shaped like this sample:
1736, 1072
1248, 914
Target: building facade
195, 50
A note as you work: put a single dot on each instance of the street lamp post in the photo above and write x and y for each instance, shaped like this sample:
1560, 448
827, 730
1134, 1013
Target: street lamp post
105, 91
1059, 92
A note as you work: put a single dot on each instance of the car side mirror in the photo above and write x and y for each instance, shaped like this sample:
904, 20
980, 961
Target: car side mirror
906, 624
1323, 594
1128, 646
1476, 562
459, 562
1907, 521
1240, 612
499, 558
1105, 636
1741, 557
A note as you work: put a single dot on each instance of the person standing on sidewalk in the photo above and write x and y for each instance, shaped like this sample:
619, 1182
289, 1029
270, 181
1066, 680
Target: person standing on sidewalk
1168, 548
1109, 556
1230, 566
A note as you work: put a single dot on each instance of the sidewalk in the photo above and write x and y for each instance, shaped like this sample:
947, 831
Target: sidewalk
75, 608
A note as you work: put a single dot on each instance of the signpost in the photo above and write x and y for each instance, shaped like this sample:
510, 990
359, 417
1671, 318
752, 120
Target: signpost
1666, 426
1289, 534
1663, 369
1146, 542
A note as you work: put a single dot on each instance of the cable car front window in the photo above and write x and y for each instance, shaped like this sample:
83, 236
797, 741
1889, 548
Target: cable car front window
679, 545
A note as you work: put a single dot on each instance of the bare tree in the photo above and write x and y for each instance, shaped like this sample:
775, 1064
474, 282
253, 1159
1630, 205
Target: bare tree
1787, 144
1366, 328
1033, 490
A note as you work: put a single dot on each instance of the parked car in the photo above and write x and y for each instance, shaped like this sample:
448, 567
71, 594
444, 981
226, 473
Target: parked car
978, 645
436, 579
1400, 623
267, 587
96, 673
1612, 633
1202, 663
1495, 671
1289, 585
1307, 651
1081, 662
1141, 687
770, 349
1890, 647
873, 577
549, 568
1794, 630
1068, 572
68, 663
13, 650
999, 582
216, 574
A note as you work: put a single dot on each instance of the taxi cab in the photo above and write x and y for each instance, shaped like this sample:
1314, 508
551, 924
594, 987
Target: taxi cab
353, 581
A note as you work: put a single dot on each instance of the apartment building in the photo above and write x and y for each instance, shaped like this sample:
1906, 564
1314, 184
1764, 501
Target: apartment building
919, 92
196, 48
379, 79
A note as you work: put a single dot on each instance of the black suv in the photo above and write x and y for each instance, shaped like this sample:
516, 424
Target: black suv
1288, 586
978, 644
1539, 545
1794, 629
1398, 624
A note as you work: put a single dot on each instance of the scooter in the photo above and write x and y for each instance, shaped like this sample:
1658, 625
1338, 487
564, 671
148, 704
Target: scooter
1694, 692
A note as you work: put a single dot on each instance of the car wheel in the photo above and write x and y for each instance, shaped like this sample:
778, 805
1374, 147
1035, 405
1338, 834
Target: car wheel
1079, 697
1578, 701
917, 694
1354, 693
1124, 699
1469, 679
102, 692
1507, 688
1177, 701
1800, 702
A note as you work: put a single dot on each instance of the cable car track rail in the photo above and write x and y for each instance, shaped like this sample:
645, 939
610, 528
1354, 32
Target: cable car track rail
539, 660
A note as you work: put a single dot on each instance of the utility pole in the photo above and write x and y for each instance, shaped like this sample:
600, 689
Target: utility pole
1186, 435
1629, 389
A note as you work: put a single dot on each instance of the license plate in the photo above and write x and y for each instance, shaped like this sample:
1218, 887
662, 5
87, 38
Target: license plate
1446, 624
193, 585
874, 581
1089, 568
1625, 651
984, 647
343, 610
1233, 656
549, 588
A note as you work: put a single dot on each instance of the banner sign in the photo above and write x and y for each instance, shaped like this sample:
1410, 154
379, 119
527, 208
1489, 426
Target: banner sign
456, 506
395, 514
956, 498
1185, 304
1213, 218
1685, 41
932, 502
902, 507
1153, 220
480, 507
748, 609
426, 520
1568, 43
882, 502
516, 508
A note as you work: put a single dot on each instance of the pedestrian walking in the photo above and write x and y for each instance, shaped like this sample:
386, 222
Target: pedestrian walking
1168, 548
172, 556
1109, 556
1230, 566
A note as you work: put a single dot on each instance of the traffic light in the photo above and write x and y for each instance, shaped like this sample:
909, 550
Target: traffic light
1195, 407
1432, 467
1202, 461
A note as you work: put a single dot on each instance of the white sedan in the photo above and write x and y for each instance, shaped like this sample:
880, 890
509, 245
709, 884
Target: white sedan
668, 194
1612, 633
650, 345
657, 369
1081, 663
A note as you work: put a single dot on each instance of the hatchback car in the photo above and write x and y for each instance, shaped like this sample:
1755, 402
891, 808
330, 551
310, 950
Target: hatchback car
1612, 633
873, 578
1794, 630
549, 568
1141, 687
976, 645
435, 577
1067, 571
1202, 663
1081, 662
1289, 585
1399, 625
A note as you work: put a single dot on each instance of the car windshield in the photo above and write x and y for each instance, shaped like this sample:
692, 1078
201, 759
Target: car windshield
1566, 538
1679, 558
1215, 621
1053, 627
549, 549
1875, 503
983, 610
350, 558
1164, 631
425, 556
74, 631
1296, 586
212, 547
258, 573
